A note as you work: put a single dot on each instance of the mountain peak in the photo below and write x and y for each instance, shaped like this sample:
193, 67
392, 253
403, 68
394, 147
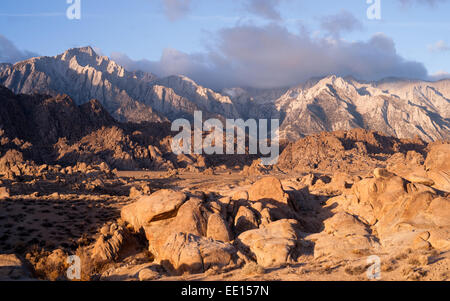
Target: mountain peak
83, 54
82, 50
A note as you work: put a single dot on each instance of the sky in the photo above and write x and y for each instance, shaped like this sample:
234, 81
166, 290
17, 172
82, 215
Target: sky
227, 43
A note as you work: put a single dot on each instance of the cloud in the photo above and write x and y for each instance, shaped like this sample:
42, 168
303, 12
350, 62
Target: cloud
176, 9
264, 8
343, 21
439, 46
172, 62
271, 56
10, 54
439, 75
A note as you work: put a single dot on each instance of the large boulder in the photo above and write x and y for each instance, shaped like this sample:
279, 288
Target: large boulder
375, 196
218, 229
268, 188
343, 236
270, 200
245, 220
437, 165
397, 210
273, 245
191, 218
161, 205
188, 253
438, 157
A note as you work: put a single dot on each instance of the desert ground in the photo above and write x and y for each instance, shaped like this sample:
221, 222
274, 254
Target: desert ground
233, 223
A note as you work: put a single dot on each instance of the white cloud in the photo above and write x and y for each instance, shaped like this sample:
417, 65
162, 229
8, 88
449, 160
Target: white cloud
439, 46
440, 75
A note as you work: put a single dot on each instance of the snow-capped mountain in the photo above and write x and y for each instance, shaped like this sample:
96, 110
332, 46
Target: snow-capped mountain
401, 108
333, 103
128, 96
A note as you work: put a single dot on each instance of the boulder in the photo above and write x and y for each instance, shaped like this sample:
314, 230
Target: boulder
381, 173
218, 229
160, 205
191, 218
134, 193
344, 236
272, 198
420, 180
188, 253
398, 210
273, 245
108, 247
437, 166
438, 157
148, 274
268, 188
376, 195
245, 220
241, 195
12, 268
4, 193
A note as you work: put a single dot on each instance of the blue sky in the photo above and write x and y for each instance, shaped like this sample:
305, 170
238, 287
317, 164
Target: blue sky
138, 32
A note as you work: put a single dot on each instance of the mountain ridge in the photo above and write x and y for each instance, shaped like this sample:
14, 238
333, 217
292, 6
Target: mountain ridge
398, 107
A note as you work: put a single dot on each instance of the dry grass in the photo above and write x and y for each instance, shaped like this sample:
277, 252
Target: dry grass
252, 268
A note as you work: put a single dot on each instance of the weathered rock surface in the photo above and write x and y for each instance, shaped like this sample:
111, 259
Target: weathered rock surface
110, 243
245, 220
193, 254
437, 165
396, 210
161, 205
218, 229
268, 188
343, 236
272, 246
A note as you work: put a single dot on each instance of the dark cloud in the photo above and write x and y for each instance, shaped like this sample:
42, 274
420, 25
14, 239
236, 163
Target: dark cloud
272, 56
10, 54
176, 9
341, 22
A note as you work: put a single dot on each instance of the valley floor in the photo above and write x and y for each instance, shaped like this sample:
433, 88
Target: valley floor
46, 218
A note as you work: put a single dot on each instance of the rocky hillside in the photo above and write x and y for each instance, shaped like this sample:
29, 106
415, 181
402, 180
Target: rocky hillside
347, 151
49, 129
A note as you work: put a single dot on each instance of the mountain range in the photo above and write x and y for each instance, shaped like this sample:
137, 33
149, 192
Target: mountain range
397, 107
